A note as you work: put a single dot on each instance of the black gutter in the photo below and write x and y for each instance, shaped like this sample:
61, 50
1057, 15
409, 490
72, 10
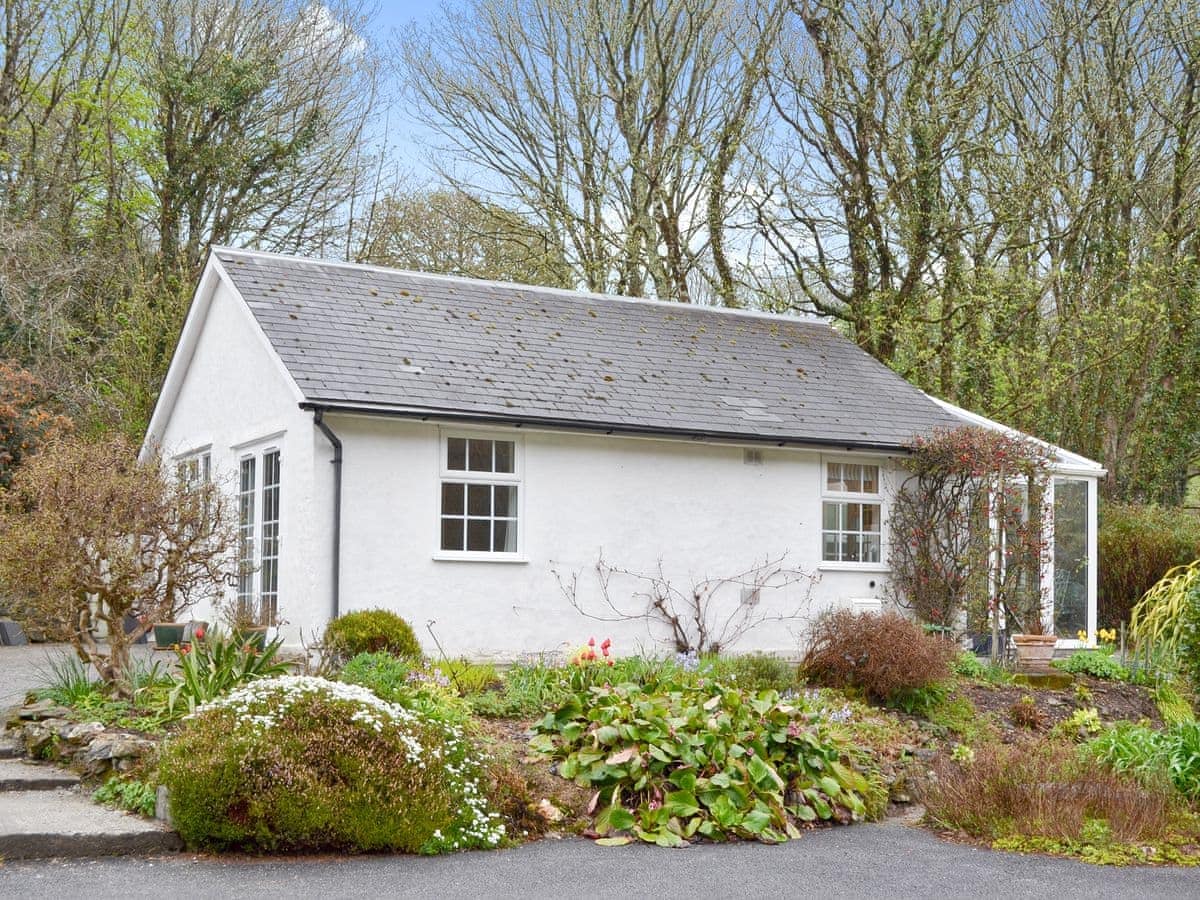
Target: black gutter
319, 421
424, 414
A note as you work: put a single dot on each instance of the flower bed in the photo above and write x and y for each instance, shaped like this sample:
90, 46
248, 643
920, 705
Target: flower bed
700, 759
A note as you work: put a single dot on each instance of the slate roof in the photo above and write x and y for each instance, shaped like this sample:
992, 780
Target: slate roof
408, 343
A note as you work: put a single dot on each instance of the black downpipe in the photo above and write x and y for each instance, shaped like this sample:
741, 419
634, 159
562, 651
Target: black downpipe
319, 421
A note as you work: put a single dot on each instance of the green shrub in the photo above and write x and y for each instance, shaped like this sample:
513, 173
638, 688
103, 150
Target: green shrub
131, 794
752, 671
215, 664
468, 677
887, 656
1153, 756
1138, 544
703, 759
1096, 663
301, 763
968, 665
371, 631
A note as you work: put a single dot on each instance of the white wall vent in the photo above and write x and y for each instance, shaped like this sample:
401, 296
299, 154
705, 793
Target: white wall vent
866, 604
752, 457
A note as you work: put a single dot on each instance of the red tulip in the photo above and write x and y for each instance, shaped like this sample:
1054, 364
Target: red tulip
199, 634
607, 643
591, 642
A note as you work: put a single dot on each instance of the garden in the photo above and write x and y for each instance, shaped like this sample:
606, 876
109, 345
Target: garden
366, 743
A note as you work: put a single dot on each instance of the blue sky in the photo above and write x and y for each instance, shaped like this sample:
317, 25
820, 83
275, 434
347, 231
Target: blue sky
403, 136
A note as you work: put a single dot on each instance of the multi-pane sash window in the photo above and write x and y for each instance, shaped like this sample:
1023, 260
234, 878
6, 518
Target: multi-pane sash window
246, 527
269, 539
258, 535
851, 513
479, 495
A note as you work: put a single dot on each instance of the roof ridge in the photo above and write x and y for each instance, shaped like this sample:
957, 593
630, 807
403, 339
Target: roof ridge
568, 293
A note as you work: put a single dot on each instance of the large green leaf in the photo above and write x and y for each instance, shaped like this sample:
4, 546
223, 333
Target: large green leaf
681, 803
614, 818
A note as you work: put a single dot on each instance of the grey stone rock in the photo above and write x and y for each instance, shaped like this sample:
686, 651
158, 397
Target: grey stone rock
37, 737
42, 709
162, 806
109, 746
81, 732
11, 634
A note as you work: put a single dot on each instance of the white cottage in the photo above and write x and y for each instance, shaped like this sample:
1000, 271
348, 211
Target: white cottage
444, 446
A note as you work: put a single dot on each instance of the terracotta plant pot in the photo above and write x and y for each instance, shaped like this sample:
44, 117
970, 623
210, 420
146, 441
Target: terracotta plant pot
1034, 651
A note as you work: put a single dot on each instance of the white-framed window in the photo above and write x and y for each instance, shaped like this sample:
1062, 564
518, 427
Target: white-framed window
258, 533
480, 497
194, 468
851, 512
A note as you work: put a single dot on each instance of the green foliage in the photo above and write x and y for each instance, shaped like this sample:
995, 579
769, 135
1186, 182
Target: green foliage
751, 671
66, 680
468, 677
298, 763
1096, 663
703, 759
216, 663
920, 701
131, 794
1081, 725
1172, 705
1153, 756
371, 631
527, 689
411, 684
1138, 545
68, 683
887, 656
957, 716
968, 665
1164, 612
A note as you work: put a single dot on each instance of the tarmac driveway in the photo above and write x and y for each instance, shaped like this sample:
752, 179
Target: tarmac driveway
889, 860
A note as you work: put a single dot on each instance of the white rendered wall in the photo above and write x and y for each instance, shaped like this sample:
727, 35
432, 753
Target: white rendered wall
235, 400
697, 507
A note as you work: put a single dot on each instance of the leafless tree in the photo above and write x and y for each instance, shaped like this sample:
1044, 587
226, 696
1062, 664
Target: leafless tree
599, 119
695, 618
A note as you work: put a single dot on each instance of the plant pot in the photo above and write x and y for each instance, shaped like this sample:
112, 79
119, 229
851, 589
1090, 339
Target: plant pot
1034, 651
255, 636
169, 634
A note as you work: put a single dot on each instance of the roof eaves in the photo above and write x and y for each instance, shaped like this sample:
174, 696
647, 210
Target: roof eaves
594, 427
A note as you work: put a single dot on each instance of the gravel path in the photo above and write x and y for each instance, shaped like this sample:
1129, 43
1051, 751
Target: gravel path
25, 668
889, 860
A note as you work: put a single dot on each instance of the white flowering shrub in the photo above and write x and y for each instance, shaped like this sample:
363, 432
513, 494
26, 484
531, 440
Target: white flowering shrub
301, 763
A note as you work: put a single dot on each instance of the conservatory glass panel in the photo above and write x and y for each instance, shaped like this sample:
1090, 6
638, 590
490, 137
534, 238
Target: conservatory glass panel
1070, 557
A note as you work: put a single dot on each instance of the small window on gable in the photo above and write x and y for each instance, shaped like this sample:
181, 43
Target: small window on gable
195, 468
479, 496
851, 513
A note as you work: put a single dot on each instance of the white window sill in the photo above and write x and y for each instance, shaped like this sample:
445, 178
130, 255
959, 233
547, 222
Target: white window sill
449, 556
852, 567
